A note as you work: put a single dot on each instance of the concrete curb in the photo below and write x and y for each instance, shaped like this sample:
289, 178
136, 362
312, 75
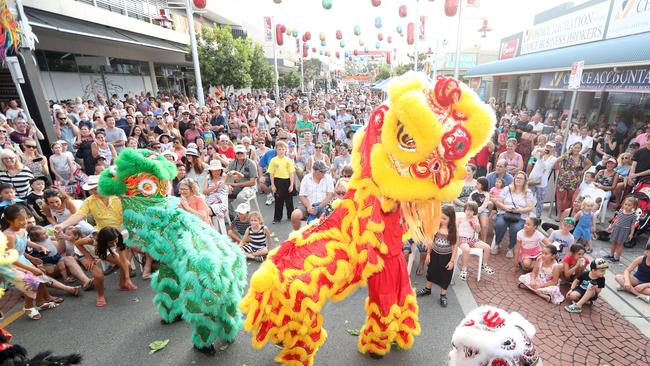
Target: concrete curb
464, 296
632, 309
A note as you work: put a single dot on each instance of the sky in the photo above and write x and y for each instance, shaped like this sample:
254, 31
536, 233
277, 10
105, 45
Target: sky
505, 17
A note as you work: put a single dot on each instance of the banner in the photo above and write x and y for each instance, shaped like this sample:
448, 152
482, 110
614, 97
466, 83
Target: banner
268, 32
629, 17
582, 26
510, 46
631, 79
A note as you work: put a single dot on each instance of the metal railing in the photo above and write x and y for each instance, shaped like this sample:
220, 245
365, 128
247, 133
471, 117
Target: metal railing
144, 10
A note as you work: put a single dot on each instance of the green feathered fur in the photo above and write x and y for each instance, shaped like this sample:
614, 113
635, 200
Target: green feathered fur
202, 274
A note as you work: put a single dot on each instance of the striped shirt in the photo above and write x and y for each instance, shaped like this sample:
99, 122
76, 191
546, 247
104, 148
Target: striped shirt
20, 181
257, 240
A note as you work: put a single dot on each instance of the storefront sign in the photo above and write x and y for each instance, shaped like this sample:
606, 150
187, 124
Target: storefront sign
629, 17
268, 32
510, 46
467, 60
582, 26
632, 79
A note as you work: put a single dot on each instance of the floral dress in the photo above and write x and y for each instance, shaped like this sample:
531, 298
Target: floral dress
570, 172
544, 274
218, 200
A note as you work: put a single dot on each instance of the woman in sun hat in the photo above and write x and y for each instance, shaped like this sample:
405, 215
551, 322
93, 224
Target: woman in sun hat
216, 190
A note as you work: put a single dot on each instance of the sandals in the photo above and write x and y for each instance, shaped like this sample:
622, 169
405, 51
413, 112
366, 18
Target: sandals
48, 305
89, 286
100, 303
146, 276
57, 300
420, 272
487, 269
32, 313
463, 274
127, 288
75, 291
423, 292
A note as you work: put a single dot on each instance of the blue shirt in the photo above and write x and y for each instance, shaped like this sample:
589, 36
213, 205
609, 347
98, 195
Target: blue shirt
266, 159
492, 179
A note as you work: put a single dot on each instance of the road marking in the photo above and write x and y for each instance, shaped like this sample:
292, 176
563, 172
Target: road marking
11, 318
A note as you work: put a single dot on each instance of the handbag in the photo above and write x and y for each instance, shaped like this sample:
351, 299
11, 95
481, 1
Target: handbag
512, 217
534, 182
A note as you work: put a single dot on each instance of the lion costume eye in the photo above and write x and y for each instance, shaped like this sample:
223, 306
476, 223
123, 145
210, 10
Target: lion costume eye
406, 142
148, 187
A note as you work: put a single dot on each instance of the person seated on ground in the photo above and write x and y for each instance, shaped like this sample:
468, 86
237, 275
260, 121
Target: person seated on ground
563, 238
529, 245
545, 277
107, 245
257, 240
59, 207
35, 199
586, 287
191, 201
637, 284
56, 262
468, 227
575, 263
241, 222
316, 192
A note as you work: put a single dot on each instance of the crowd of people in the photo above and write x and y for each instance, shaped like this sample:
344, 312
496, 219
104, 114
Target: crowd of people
241, 145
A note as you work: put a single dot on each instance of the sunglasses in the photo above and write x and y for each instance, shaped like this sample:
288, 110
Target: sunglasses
319, 147
340, 193
3, 131
30, 146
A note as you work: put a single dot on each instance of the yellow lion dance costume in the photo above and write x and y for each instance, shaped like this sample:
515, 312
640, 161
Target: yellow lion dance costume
408, 158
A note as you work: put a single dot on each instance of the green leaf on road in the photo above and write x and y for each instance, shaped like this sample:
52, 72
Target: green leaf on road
156, 346
354, 332
224, 347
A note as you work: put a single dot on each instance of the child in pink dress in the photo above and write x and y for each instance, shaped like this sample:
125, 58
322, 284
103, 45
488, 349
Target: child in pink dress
529, 245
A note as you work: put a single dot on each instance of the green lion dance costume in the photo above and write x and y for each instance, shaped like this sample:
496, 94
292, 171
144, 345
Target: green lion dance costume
202, 274
410, 156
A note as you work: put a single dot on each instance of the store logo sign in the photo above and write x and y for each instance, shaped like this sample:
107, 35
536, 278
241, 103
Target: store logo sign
509, 49
625, 8
629, 17
633, 79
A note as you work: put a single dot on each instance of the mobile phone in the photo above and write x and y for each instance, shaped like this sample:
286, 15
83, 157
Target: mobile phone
38, 158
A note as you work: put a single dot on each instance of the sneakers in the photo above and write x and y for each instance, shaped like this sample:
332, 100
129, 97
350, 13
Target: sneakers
573, 308
589, 250
463, 274
269, 199
423, 292
608, 257
259, 259
509, 253
494, 249
645, 298
487, 269
443, 301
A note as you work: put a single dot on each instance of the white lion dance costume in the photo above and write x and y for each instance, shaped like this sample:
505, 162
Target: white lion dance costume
489, 336
410, 156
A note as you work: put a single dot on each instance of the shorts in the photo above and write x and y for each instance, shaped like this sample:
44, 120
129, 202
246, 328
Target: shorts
485, 213
469, 241
55, 259
582, 292
306, 215
267, 179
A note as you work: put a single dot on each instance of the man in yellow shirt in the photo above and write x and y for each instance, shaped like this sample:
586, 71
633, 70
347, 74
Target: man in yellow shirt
281, 171
106, 211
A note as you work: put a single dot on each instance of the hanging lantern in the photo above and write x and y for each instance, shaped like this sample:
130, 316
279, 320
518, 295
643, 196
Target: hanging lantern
338, 54
399, 29
327, 4
451, 7
303, 39
305, 50
279, 34
377, 22
199, 4
356, 53
323, 43
410, 33
350, 58
388, 58
357, 30
402, 11
320, 52
361, 42
375, 3
322, 36
307, 36
339, 34
377, 45
380, 37
277, 1
389, 39
313, 49
366, 49
342, 43
347, 53
327, 53
294, 33
288, 32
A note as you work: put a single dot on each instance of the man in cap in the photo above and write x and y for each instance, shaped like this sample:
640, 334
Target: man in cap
242, 173
316, 191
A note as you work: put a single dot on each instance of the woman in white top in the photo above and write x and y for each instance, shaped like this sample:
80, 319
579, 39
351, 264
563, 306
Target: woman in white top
317, 156
539, 175
62, 165
518, 201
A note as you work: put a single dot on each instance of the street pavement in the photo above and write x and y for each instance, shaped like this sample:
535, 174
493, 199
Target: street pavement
120, 333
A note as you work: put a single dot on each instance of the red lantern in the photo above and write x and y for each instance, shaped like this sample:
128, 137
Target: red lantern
322, 36
389, 39
200, 4
388, 58
356, 53
375, 3
339, 34
338, 54
279, 33
327, 53
380, 37
305, 50
451, 7
313, 49
402, 11
410, 33
350, 58
307, 36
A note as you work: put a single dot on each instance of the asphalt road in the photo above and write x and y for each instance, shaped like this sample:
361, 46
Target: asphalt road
120, 333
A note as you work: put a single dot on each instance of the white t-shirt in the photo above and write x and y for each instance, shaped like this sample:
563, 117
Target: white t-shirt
542, 169
316, 192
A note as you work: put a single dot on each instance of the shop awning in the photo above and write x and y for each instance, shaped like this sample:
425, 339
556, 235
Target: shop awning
381, 85
42, 19
626, 51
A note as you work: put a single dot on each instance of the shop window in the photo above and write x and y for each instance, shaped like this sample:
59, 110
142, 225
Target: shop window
59, 61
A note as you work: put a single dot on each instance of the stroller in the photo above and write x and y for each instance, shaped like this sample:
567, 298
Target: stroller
641, 192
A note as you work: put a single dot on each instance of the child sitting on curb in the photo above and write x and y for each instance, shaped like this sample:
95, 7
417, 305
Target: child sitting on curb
585, 288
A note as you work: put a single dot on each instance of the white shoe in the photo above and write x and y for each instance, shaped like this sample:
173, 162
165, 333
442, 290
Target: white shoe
269, 199
509, 253
645, 298
494, 250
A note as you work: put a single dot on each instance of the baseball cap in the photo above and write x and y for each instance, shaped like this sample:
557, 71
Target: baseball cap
569, 221
599, 263
240, 149
192, 152
320, 166
243, 208
550, 143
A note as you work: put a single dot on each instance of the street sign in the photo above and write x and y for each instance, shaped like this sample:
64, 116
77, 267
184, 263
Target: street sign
576, 74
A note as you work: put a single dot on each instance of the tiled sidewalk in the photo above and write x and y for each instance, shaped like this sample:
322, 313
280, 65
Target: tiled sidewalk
598, 336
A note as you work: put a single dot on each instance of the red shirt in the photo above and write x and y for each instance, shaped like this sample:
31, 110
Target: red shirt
229, 153
569, 260
482, 157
